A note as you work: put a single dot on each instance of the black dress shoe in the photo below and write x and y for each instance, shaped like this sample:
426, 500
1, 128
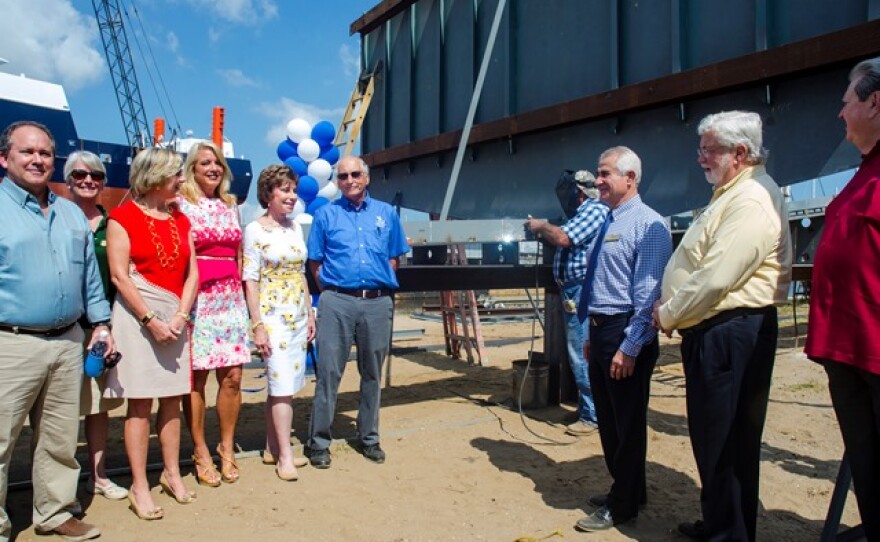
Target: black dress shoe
602, 500
373, 452
320, 459
600, 520
696, 530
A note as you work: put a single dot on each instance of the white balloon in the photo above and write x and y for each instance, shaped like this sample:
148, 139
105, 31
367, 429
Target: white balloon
304, 218
298, 129
308, 150
321, 170
298, 208
329, 191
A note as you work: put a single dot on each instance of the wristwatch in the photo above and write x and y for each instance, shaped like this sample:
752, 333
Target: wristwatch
147, 317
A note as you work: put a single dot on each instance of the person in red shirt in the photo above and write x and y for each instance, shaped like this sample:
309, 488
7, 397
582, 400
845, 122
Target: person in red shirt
844, 327
153, 267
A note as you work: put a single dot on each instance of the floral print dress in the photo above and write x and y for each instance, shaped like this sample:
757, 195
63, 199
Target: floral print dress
219, 316
275, 258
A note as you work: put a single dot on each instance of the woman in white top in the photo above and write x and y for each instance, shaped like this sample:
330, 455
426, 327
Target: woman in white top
280, 307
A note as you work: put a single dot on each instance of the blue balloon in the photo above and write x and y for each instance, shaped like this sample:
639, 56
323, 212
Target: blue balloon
298, 165
323, 133
307, 189
286, 149
331, 154
316, 204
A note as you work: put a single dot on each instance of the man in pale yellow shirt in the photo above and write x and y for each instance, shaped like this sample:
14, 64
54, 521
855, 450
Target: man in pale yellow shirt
720, 289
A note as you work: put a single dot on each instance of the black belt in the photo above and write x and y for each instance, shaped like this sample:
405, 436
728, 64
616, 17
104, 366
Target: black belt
597, 320
363, 294
55, 332
726, 316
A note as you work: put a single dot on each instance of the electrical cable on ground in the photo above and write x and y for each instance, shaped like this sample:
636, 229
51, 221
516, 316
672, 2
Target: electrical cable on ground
522, 384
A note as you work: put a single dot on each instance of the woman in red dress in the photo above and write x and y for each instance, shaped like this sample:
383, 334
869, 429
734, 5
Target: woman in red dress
153, 267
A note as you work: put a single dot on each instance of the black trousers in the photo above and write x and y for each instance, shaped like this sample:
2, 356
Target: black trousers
728, 366
622, 410
855, 394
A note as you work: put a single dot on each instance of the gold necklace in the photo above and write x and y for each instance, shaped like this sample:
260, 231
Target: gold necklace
164, 260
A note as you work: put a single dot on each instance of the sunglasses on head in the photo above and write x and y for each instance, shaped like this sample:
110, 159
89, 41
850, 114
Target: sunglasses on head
81, 174
353, 174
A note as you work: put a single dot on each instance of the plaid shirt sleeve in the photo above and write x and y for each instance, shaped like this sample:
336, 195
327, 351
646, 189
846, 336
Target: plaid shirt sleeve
584, 225
654, 252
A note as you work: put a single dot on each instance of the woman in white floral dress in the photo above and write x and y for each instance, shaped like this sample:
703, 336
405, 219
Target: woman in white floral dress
219, 319
280, 307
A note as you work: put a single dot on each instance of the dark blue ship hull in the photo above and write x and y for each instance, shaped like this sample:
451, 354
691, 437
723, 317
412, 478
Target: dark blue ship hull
117, 158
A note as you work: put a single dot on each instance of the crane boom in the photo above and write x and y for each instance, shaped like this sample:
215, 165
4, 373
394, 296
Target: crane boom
119, 59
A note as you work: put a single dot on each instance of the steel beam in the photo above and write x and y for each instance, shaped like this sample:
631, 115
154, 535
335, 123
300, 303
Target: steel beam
844, 47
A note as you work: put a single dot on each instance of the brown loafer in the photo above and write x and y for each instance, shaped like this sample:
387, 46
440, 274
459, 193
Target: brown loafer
74, 530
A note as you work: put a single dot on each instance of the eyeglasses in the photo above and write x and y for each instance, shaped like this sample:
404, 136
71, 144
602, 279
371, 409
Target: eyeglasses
353, 174
81, 174
704, 152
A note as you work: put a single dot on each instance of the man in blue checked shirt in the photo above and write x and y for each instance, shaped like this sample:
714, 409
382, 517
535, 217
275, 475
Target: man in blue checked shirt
623, 281
354, 246
569, 269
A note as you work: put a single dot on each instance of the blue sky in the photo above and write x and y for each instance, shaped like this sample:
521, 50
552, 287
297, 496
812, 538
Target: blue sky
265, 61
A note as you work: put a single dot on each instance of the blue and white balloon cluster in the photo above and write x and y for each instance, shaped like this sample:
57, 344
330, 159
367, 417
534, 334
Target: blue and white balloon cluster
310, 152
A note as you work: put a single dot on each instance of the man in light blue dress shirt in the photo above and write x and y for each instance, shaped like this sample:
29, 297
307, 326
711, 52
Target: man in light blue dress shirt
621, 346
49, 278
354, 245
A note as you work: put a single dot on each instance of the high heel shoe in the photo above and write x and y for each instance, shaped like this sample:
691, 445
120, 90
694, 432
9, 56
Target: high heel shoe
186, 498
228, 474
206, 474
150, 515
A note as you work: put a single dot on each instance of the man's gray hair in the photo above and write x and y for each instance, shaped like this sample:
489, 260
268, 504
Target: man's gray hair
364, 167
867, 72
627, 161
732, 128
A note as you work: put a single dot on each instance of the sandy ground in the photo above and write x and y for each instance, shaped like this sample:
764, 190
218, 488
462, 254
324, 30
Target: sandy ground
463, 467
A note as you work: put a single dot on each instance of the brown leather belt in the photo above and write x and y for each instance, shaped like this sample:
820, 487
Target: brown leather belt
363, 294
55, 332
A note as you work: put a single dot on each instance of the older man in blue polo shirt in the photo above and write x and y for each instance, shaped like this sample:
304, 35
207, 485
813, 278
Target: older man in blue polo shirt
48, 278
354, 246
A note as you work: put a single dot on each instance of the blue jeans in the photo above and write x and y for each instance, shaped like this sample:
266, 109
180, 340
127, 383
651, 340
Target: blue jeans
574, 336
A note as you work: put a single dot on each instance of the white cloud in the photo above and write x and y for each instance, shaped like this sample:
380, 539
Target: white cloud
286, 109
236, 78
239, 11
214, 35
351, 63
51, 40
172, 41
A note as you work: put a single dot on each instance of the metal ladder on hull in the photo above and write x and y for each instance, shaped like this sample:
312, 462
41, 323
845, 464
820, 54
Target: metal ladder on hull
353, 119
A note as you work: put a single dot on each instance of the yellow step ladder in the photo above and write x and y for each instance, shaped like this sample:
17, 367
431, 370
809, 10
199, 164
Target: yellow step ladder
354, 115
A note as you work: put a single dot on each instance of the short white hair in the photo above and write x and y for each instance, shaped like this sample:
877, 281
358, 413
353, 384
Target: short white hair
868, 74
627, 161
733, 128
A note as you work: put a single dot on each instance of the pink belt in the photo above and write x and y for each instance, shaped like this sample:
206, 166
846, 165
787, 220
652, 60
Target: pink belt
213, 268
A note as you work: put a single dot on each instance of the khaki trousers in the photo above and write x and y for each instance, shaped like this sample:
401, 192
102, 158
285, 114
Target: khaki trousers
40, 379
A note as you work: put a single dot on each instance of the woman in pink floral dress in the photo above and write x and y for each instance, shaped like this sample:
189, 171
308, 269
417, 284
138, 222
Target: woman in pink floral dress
219, 318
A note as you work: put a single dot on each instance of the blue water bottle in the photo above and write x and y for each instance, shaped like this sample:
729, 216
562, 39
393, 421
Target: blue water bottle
94, 365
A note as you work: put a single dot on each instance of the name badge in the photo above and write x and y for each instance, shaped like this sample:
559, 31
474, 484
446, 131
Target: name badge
612, 238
